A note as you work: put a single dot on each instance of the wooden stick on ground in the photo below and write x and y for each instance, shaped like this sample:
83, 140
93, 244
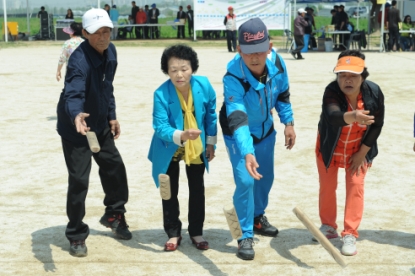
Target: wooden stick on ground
320, 237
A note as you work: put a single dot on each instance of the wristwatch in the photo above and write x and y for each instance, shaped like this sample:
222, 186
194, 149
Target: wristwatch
290, 123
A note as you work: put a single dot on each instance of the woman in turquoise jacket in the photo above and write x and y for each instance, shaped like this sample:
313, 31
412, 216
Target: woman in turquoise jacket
184, 122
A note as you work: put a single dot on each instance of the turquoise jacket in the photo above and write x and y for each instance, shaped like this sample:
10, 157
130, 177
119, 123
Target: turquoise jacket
168, 122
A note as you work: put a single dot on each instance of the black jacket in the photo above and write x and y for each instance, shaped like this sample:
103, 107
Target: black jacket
331, 118
182, 16
88, 88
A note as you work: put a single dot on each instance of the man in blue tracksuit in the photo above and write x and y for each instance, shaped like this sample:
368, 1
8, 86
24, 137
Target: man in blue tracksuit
256, 81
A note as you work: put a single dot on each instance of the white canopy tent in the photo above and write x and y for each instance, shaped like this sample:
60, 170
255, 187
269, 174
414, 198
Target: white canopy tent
27, 15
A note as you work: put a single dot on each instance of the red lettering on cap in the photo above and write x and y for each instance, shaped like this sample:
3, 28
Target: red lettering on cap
248, 37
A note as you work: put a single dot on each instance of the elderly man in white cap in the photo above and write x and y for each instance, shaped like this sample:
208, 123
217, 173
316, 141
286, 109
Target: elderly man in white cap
87, 103
299, 26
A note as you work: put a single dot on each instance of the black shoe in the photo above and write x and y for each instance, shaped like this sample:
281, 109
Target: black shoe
263, 227
293, 54
245, 249
300, 57
117, 224
78, 248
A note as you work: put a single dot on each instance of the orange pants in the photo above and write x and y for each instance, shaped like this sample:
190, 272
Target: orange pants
353, 211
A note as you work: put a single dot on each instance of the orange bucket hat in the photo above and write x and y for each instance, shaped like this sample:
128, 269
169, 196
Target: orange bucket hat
350, 64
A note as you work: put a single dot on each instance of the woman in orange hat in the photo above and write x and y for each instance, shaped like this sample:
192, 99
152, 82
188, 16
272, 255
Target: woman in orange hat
350, 124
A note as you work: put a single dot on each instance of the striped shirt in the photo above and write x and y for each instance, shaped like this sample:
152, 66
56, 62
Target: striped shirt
349, 141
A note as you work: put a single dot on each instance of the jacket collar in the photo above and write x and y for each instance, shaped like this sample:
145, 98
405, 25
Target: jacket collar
175, 102
95, 57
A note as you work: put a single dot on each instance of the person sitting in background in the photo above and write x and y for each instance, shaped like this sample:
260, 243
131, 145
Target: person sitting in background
141, 18
75, 32
69, 14
122, 31
406, 40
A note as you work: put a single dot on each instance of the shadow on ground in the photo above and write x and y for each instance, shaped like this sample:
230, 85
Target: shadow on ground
289, 239
44, 239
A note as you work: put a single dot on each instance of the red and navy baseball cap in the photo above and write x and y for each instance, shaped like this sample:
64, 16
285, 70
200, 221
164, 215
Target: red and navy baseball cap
253, 36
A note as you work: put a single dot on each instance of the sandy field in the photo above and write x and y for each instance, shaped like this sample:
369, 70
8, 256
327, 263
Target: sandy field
33, 176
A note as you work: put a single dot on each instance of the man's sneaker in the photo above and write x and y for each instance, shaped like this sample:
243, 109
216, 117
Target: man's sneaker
293, 54
245, 249
349, 245
263, 227
78, 248
117, 224
327, 231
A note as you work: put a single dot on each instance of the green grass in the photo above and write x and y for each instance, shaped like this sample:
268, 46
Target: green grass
277, 36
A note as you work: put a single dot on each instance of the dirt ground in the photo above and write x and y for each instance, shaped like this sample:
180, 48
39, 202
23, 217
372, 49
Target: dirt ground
33, 176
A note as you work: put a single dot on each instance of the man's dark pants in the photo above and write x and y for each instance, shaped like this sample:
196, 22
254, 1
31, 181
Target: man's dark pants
190, 28
394, 37
299, 41
231, 37
113, 179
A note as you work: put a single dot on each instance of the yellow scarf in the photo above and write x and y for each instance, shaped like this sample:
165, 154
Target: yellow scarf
193, 148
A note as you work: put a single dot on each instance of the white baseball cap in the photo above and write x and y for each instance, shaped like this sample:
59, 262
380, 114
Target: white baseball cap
95, 19
301, 10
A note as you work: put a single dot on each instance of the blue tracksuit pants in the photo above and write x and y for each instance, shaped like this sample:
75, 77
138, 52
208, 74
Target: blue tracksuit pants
251, 196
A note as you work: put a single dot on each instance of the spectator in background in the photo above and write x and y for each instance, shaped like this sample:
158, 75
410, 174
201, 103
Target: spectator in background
299, 25
334, 20
69, 14
146, 28
154, 19
141, 18
230, 23
42, 12
114, 14
181, 16
134, 11
107, 8
393, 26
406, 41
75, 33
190, 20
309, 17
122, 31
380, 14
342, 20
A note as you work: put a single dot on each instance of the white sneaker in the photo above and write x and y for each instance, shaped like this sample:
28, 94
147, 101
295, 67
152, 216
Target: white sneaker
349, 245
327, 231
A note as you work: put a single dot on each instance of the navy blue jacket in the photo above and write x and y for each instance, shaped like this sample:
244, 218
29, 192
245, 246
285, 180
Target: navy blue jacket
88, 88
